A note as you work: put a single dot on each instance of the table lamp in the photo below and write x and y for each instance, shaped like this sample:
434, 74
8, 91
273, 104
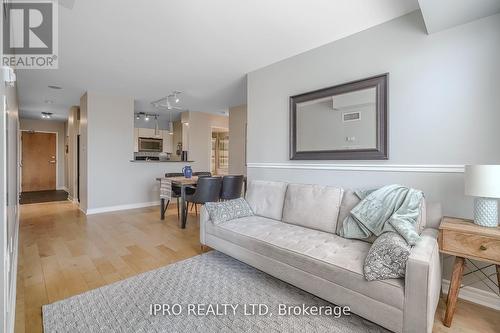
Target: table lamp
483, 183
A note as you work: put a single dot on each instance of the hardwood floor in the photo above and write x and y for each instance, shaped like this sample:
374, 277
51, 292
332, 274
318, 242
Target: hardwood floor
63, 253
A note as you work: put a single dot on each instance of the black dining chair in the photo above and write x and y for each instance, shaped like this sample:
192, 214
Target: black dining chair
176, 190
207, 190
199, 174
231, 187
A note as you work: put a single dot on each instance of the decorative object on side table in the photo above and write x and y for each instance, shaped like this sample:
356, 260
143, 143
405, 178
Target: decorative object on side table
483, 183
466, 240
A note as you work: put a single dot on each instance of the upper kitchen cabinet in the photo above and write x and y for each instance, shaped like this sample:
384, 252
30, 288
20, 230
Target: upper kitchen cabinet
148, 133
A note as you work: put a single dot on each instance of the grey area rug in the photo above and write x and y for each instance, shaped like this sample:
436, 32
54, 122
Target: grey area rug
209, 279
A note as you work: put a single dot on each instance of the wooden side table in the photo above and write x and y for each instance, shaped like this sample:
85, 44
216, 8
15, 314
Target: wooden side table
466, 240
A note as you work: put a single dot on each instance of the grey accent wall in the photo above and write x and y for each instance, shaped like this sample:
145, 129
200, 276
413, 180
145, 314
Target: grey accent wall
444, 104
40, 125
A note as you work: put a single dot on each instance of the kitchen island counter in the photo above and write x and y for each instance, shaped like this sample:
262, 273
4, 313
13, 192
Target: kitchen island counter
144, 161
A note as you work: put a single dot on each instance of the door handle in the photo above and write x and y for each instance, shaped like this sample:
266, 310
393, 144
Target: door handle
52, 162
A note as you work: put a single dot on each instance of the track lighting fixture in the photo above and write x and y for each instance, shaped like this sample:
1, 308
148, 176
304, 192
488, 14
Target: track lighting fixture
167, 101
157, 127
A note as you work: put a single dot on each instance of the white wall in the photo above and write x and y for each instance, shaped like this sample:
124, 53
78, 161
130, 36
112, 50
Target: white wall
83, 161
237, 140
199, 140
72, 129
41, 125
9, 207
444, 106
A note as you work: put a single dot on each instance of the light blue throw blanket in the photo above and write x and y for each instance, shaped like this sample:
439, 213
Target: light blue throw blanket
391, 208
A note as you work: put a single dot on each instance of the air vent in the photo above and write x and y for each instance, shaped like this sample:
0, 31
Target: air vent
351, 116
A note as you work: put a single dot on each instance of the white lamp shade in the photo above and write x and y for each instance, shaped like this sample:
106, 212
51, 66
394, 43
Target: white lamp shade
482, 181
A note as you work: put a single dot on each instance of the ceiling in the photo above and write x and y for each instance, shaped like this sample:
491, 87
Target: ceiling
203, 48
444, 14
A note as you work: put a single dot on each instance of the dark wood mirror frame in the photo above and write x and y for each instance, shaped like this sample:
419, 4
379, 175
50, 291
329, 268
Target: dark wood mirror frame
379, 153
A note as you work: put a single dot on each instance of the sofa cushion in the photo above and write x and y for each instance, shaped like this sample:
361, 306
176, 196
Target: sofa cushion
328, 256
312, 206
266, 198
349, 201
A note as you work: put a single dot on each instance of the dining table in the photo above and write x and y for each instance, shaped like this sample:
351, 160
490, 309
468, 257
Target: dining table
181, 182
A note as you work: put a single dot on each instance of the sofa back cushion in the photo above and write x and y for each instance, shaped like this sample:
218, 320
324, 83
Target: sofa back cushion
312, 206
266, 198
349, 201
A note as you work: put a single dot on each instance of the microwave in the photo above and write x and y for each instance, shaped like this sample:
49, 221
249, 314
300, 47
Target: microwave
150, 145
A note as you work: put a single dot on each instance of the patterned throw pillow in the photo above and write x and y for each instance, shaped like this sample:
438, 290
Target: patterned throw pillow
387, 257
228, 210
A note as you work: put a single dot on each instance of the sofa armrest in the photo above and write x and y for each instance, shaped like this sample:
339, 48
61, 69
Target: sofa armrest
422, 284
204, 219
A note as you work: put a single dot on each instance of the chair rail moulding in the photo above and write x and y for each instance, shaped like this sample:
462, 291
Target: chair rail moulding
423, 168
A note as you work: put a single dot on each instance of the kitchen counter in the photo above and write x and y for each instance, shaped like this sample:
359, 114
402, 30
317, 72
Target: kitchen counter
161, 161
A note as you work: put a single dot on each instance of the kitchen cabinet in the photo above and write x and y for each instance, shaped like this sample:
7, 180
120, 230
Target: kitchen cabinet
148, 133
167, 141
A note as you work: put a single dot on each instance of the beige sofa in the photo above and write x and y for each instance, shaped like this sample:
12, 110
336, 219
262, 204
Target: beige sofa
293, 236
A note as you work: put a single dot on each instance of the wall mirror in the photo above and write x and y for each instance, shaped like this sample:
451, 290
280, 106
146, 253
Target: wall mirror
344, 122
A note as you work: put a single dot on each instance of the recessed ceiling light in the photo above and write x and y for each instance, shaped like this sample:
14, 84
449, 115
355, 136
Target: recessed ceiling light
49, 101
55, 87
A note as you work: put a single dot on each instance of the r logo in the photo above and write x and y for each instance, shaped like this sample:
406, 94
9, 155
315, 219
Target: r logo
28, 28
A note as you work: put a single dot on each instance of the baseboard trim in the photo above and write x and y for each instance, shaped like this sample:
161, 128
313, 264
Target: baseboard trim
423, 168
121, 207
475, 295
63, 188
